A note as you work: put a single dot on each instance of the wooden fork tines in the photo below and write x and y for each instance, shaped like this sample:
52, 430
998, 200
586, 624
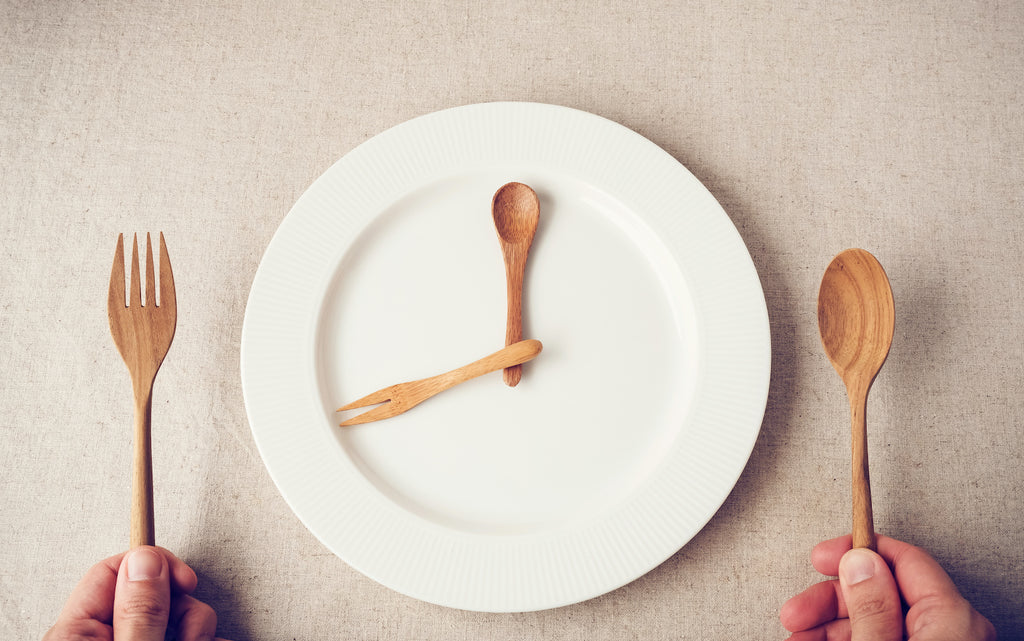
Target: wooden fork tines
143, 331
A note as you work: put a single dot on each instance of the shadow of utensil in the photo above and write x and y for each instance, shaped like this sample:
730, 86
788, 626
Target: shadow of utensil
548, 208
923, 373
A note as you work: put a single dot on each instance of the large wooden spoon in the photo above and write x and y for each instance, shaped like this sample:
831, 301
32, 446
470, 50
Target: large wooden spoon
856, 317
516, 210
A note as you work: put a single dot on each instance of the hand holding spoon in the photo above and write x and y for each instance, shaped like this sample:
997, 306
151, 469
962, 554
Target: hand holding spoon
516, 210
856, 317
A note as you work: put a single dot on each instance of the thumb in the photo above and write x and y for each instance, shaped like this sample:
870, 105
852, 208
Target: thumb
142, 599
871, 597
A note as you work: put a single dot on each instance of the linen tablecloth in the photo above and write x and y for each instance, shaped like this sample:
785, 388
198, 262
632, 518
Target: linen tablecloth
896, 127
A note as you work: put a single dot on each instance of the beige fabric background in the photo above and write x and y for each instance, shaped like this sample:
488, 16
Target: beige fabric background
892, 126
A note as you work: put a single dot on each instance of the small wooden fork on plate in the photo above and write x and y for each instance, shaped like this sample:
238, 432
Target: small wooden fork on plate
397, 399
142, 331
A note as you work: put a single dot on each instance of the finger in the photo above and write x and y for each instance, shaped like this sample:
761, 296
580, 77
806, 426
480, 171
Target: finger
93, 598
79, 629
813, 607
183, 578
919, 575
142, 600
193, 619
89, 610
838, 630
872, 600
921, 579
825, 555
948, 619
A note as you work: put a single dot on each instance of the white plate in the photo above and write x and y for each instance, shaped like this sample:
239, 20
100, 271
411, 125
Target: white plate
625, 435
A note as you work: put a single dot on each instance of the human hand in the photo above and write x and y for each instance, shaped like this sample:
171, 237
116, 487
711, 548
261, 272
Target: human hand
135, 596
864, 603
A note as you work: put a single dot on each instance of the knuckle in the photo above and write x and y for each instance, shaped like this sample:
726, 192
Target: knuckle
952, 617
204, 611
79, 630
872, 605
145, 610
193, 618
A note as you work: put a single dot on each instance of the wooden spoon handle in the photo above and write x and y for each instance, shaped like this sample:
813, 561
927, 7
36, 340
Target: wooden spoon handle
142, 526
863, 520
515, 268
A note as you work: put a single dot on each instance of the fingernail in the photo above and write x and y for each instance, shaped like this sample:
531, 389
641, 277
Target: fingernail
856, 565
144, 564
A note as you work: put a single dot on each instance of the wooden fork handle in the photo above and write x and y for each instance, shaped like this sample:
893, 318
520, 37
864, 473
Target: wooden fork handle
142, 525
863, 519
514, 354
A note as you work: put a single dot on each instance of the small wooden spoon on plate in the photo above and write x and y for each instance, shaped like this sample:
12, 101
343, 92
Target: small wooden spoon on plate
856, 318
516, 211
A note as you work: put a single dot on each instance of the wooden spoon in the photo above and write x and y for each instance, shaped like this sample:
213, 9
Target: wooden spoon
516, 210
856, 317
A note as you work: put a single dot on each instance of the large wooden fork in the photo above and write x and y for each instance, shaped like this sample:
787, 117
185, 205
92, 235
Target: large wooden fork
142, 331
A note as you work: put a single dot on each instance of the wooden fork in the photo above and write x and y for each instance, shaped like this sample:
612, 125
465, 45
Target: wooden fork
142, 331
403, 397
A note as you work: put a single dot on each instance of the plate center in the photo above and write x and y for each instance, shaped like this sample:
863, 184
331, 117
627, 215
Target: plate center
421, 291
